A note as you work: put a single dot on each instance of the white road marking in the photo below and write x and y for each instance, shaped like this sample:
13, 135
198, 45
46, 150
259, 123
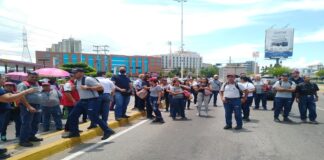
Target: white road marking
319, 108
75, 155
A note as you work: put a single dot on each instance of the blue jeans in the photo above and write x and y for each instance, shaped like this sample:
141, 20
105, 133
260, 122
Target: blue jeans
121, 104
246, 107
233, 104
155, 105
104, 102
148, 106
29, 122
215, 94
178, 106
171, 105
69, 110
307, 103
282, 103
92, 107
56, 113
260, 97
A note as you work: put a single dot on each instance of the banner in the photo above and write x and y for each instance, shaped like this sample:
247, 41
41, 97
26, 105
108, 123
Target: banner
279, 43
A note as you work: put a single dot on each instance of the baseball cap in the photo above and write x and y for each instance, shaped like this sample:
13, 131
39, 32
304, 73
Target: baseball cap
9, 83
285, 75
76, 70
46, 84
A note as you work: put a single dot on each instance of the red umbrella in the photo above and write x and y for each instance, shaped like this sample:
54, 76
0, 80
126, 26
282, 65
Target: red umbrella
19, 76
52, 72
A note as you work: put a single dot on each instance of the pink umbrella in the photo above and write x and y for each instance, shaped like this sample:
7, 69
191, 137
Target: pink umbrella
19, 76
52, 72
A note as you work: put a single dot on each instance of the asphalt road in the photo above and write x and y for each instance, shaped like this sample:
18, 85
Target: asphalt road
204, 139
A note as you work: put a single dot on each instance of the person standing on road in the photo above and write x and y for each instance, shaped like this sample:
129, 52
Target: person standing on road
139, 103
148, 106
295, 77
260, 93
231, 94
5, 100
124, 90
70, 98
51, 107
104, 97
216, 85
306, 96
284, 90
177, 102
155, 99
204, 92
247, 104
187, 86
30, 111
165, 86
88, 88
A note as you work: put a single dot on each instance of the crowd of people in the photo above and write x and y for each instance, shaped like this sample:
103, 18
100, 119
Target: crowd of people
30, 103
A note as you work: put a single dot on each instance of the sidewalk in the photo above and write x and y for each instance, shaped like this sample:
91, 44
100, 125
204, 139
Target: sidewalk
53, 143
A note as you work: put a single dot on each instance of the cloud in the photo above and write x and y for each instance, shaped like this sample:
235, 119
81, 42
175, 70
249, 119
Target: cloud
235, 2
300, 62
317, 36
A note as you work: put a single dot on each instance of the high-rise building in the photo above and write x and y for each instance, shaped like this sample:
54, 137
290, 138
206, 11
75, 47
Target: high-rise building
67, 45
251, 67
191, 60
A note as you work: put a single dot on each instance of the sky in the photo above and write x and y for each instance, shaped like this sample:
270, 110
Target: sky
216, 29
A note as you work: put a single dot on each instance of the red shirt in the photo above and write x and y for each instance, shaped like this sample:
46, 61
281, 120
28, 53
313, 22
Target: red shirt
69, 87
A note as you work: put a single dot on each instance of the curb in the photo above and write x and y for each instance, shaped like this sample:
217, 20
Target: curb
47, 150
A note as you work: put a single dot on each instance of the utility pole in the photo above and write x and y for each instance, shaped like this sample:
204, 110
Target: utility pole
26, 57
96, 49
105, 49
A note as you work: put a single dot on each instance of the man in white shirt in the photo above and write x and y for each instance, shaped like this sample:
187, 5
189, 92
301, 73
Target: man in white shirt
231, 94
246, 106
104, 96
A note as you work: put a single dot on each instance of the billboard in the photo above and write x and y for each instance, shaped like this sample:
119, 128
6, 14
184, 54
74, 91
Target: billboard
279, 43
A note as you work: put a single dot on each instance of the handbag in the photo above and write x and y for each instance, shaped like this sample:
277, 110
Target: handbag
142, 93
208, 92
186, 93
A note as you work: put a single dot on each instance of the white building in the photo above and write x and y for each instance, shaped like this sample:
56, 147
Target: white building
191, 60
67, 45
233, 68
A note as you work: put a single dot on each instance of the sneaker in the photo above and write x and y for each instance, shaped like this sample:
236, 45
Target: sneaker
162, 121
4, 156
155, 121
184, 118
228, 127
70, 135
91, 127
3, 150
286, 119
107, 135
35, 139
215, 105
313, 122
118, 119
304, 121
3, 138
238, 127
26, 144
276, 120
125, 116
247, 119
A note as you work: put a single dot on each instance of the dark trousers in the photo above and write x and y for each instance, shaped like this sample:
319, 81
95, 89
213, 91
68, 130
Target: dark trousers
215, 94
282, 103
167, 101
260, 97
307, 103
6, 117
195, 94
104, 101
92, 107
69, 110
140, 103
148, 106
178, 106
246, 107
187, 101
136, 105
55, 112
29, 122
233, 105
155, 105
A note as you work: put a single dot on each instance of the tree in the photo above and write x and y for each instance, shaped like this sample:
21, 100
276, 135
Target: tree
109, 74
209, 71
277, 71
89, 71
320, 73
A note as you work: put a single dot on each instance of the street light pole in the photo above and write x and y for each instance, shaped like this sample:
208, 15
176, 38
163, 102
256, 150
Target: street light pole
182, 50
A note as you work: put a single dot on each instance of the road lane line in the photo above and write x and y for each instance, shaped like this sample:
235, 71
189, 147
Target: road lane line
319, 108
75, 155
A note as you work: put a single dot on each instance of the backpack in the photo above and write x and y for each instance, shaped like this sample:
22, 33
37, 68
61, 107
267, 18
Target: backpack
83, 83
236, 85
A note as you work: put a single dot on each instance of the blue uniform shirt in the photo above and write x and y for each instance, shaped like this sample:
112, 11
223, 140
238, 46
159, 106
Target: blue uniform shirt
121, 81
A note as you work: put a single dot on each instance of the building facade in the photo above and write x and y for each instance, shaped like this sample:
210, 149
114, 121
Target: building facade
67, 45
232, 68
251, 67
135, 65
191, 60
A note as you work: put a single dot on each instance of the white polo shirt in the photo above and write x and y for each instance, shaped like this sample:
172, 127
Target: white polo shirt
230, 90
249, 86
107, 84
